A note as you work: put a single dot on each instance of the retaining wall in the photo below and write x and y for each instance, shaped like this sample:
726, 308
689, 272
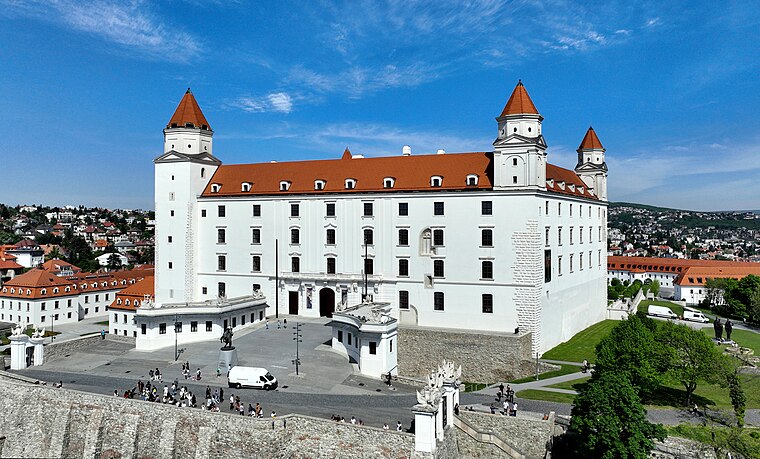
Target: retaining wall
58, 349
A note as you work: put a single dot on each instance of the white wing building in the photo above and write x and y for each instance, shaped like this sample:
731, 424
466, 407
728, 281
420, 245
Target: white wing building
486, 241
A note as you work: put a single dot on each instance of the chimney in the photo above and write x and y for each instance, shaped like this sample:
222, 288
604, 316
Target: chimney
406, 151
440, 151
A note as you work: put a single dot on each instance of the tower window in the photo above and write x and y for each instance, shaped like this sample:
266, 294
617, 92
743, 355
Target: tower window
221, 263
486, 270
256, 263
368, 237
295, 264
255, 236
330, 209
221, 236
403, 209
486, 237
369, 266
403, 267
330, 236
368, 209
438, 301
487, 303
403, 299
438, 208
514, 179
295, 211
403, 237
295, 236
222, 211
514, 161
331, 265
486, 207
438, 270
529, 129
438, 237
257, 210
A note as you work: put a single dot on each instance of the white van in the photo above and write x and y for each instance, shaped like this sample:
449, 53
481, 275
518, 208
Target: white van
661, 311
258, 378
694, 315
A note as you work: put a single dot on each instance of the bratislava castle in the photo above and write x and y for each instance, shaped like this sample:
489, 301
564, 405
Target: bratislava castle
495, 241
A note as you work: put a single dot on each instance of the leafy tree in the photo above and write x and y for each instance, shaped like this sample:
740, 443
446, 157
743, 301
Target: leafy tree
654, 287
691, 356
114, 262
630, 349
738, 399
609, 421
615, 282
754, 307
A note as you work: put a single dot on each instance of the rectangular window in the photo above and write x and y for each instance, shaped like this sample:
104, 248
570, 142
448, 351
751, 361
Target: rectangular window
559, 236
295, 264
257, 210
178, 327
204, 290
486, 208
171, 213
367, 209
403, 299
559, 209
161, 329
487, 302
438, 270
571, 210
340, 336
547, 265
169, 238
349, 338
403, 267
571, 235
403, 237
546, 208
222, 211
438, 301
143, 329
437, 208
221, 289
42, 308
486, 270
580, 261
331, 265
438, 237
571, 262
372, 348
221, 263
546, 236
221, 236
295, 236
580, 234
403, 209
330, 209
330, 236
369, 266
193, 326
171, 265
486, 237
256, 263
559, 265
203, 213
295, 210
369, 237
234, 322
209, 325
255, 236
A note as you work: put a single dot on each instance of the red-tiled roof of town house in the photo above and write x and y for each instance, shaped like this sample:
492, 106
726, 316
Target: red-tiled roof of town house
55, 265
519, 102
591, 141
35, 282
698, 275
411, 173
135, 293
188, 112
671, 265
6, 264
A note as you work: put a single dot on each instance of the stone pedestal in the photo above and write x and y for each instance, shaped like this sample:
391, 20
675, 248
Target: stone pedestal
39, 350
448, 395
18, 351
227, 357
439, 418
425, 428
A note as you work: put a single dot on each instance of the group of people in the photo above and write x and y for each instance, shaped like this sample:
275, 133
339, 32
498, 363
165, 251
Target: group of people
187, 374
170, 395
507, 394
718, 327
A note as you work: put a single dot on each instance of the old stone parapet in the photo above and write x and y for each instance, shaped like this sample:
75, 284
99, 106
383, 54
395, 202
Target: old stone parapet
485, 357
48, 422
58, 349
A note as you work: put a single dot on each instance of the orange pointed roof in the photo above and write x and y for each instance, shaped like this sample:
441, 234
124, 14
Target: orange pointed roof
188, 112
591, 141
519, 102
347, 154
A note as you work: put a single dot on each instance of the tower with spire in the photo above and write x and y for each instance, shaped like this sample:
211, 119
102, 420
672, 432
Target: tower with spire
591, 167
519, 148
182, 172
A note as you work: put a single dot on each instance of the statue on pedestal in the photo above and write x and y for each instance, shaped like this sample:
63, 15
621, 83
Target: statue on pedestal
226, 339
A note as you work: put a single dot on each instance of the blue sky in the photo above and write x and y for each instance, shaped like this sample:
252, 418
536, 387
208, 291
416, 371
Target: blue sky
672, 89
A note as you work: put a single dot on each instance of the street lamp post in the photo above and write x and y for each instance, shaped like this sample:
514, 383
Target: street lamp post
297, 339
52, 327
176, 327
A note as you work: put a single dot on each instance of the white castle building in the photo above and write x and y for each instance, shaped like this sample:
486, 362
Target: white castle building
484, 241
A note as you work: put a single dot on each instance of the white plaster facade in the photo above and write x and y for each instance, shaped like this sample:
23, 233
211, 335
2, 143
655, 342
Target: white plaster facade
546, 249
368, 340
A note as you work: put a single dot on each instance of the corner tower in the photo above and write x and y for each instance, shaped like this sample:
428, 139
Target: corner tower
519, 148
181, 174
591, 167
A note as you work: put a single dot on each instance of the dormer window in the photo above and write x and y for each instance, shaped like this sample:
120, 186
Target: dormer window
572, 187
55, 290
472, 180
350, 183
389, 182
561, 185
284, 185
43, 291
246, 187
319, 184
436, 181
215, 187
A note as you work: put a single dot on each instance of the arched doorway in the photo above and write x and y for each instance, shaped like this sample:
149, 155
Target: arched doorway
326, 302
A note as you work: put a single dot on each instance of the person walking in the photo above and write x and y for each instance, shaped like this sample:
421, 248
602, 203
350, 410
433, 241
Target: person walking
232, 401
501, 390
102, 334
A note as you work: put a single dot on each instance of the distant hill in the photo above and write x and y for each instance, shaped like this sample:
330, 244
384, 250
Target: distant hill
645, 206
667, 218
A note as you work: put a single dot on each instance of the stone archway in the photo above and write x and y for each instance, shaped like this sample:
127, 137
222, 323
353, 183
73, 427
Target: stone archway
326, 302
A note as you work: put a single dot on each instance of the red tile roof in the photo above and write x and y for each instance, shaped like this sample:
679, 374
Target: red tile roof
591, 141
411, 173
671, 265
55, 265
130, 298
188, 112
519, 102
698, 275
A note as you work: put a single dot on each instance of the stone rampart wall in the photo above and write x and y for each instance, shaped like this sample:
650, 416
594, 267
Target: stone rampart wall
47, 422
484, 358
531, 436
59, 349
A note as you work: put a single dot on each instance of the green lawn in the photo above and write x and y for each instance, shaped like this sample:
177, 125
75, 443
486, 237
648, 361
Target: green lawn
582, 345
571, 385
747, 442
673, 395
103, 322
564, 370
532, 394
676, 308
743, 338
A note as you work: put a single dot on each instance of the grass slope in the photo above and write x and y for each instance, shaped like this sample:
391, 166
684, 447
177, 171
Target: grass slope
564, 370
582, 345
532, 394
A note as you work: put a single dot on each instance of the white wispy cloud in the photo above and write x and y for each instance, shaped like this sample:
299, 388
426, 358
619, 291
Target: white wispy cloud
280, 102
131, 25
